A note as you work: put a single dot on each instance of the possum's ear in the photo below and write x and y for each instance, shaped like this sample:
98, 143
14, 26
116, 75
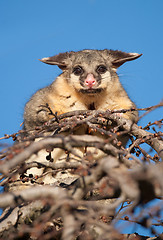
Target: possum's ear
118, 58
62, 60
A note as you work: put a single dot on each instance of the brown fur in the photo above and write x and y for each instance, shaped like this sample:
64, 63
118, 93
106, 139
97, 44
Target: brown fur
68, 92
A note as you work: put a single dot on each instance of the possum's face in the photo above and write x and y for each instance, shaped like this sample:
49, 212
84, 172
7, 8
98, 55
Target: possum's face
91, 71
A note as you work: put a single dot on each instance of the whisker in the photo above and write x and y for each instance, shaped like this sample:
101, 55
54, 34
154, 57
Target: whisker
121, 74
108, 77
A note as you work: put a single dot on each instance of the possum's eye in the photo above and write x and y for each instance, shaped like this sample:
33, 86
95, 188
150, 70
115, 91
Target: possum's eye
101, 69
78, 70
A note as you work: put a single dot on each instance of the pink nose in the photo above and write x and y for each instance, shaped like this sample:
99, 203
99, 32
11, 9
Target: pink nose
90, 81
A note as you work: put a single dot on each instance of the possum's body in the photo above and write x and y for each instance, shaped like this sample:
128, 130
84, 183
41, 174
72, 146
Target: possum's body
89, 82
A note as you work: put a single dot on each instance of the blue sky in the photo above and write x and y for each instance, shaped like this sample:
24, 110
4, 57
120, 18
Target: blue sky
34, 29
37, 28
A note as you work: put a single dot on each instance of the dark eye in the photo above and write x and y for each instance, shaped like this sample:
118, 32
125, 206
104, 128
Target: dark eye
78, 70
101, 69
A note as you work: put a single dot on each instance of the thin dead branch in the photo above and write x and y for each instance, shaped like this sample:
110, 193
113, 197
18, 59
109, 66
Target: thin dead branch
76, 195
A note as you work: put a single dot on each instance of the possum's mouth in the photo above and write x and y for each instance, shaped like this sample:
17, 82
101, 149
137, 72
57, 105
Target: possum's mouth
91, 90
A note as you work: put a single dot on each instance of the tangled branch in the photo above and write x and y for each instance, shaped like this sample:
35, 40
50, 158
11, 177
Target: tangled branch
76, 195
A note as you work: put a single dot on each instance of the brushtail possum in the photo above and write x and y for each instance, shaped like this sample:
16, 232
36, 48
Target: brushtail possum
89, 82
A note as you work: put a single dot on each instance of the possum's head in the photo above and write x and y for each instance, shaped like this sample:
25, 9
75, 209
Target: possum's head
90, 71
